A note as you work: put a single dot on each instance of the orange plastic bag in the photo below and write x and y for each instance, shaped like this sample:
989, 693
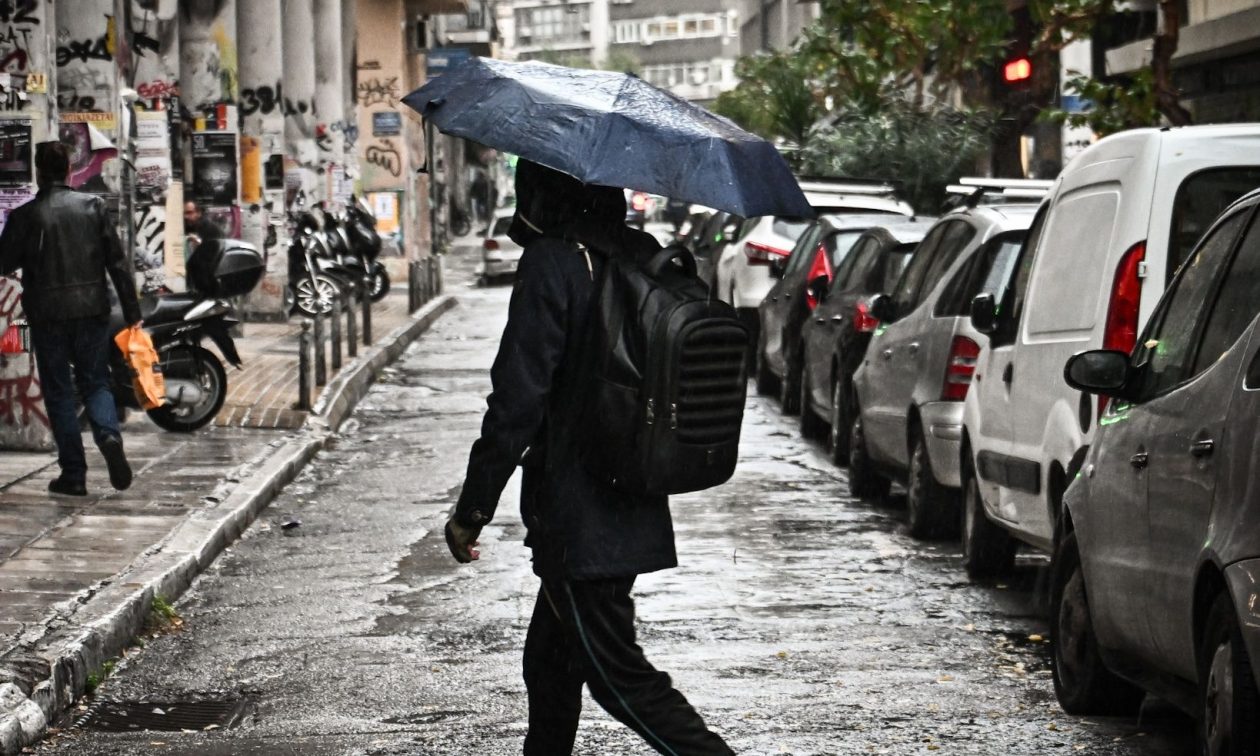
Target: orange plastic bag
146, 370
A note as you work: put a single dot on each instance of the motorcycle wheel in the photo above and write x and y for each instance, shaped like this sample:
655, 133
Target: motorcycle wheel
380, 284
202, 366
312, 297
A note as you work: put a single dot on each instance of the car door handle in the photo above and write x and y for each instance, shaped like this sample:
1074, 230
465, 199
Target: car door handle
914, 347
1139, 460
820, 320
1202, 448
887, 354
837, 318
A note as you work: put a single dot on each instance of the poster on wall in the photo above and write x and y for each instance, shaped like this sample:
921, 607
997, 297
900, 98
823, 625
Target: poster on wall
15, 152
214, 168
153, 152
90, 149
13, 198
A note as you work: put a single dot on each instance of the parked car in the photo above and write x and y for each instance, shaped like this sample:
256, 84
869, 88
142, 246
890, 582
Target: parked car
1121, 217
803, 280
909, 389
706, 239
1157, 562
743, 264
835, 337
499, 254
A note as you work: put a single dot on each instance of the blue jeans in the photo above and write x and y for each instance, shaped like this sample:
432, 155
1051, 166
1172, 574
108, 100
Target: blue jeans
74, 354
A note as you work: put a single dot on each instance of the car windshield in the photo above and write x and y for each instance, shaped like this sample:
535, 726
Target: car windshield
501, 226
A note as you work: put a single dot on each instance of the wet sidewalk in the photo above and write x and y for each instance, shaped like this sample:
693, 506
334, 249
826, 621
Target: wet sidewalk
78, 575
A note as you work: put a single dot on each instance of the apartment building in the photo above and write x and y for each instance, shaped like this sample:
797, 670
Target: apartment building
773, 24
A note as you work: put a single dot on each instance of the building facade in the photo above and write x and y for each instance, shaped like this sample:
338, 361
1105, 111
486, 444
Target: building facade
773, 24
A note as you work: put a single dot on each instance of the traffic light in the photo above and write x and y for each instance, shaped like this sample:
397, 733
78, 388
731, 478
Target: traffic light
1017, 72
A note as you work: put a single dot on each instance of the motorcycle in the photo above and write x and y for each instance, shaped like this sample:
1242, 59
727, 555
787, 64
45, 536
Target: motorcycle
316, 276
196, 381
362, 248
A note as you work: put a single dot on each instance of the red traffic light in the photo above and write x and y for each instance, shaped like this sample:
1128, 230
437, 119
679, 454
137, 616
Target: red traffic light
1017, 71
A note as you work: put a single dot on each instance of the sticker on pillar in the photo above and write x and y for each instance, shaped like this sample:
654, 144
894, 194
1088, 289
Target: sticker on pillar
251, 170
16, 168
385, 209
214, 168
153, 152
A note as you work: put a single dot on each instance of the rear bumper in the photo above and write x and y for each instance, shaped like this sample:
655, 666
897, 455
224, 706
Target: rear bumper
751, 283
942, 428
1243, 581
500, 267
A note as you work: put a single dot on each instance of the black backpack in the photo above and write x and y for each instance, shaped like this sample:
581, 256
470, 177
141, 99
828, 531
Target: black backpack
667, 364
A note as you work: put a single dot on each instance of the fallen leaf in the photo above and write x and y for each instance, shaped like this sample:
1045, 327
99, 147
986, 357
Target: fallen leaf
1036, 638
782, 654
946, 678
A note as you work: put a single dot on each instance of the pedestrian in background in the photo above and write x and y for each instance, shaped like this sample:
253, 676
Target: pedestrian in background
65, 245
198, 227
589, 540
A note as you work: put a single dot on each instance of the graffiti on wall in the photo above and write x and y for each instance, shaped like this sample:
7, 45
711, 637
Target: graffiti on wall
21, 401
85, 57
378, 91
154, 39
384, 154
267, 100
19, 29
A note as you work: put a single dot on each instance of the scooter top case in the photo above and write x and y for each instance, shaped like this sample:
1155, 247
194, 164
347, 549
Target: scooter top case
225, 268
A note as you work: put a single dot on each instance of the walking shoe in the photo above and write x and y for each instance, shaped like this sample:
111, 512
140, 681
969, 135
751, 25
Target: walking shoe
116, 461
67, 487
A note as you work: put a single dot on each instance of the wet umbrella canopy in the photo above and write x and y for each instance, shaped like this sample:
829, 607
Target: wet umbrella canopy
612, 129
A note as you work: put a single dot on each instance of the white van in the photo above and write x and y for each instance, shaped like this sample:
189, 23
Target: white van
1119, 220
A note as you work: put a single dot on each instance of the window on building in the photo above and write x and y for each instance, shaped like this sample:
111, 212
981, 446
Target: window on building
554, 24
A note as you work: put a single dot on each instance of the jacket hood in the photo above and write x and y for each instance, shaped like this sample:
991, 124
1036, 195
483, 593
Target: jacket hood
549, 202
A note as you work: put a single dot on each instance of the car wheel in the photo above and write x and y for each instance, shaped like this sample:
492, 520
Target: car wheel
864, 481
767, 383
1228, 700
988, 550
812, 427
1082, 682
931, 507
838, 436
790, 388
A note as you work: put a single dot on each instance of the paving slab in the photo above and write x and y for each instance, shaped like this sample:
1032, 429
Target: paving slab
78, 574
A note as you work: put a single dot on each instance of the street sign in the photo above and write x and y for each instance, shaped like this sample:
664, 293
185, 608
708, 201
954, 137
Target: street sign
441, 59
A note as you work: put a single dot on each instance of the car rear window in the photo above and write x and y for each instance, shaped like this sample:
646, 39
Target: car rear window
840, 245
1200, 199
894, 262
790, 227
501, 226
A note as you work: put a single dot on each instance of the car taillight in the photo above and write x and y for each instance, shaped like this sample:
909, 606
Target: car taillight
1121, 330
763, 254
490, 245
863, 320
820, 269
959, 369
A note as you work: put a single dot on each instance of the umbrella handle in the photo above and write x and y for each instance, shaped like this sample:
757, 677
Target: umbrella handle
674, 252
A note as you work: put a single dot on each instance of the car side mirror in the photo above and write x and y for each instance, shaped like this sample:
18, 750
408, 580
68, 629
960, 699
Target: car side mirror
883, 308
1098, 371
984, 313
777, 268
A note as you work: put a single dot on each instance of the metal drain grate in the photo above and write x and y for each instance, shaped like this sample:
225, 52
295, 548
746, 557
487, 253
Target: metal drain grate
134, 716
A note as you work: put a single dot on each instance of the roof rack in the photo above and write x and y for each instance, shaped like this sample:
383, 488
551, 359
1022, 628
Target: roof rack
847, 186
970, 192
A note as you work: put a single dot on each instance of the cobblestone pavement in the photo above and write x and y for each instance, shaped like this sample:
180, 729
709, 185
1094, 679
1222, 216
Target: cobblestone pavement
799, 622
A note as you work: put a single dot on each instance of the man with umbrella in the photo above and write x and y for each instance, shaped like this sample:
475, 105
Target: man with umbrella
593, 130
589, 540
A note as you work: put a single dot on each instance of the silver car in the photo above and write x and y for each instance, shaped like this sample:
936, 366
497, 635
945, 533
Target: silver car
499, 254
1156, 572
909, 389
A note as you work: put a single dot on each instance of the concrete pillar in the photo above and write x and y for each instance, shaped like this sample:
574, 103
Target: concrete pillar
330, 92
260, 41
299, 93
30, 97
208, 70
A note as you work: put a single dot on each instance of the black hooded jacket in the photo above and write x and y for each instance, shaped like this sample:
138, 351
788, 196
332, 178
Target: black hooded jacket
579, 527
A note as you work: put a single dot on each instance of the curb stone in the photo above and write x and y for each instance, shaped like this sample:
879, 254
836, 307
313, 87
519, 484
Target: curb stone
50, 674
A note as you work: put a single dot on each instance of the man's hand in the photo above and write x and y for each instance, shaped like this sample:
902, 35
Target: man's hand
461, 541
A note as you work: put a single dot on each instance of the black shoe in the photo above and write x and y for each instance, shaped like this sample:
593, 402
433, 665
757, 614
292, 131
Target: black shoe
67, 487
116, 461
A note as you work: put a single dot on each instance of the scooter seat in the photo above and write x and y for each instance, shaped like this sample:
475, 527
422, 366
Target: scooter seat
167, 308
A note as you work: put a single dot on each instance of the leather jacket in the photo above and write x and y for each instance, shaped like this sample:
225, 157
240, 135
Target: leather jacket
65, 245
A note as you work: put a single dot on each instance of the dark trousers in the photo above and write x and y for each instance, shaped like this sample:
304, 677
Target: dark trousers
583, 632
73, 355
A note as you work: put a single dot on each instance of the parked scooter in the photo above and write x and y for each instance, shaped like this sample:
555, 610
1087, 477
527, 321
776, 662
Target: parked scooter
196, 382
358, 228
316, 276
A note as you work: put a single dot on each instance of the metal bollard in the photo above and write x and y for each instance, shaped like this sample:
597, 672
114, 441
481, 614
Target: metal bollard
336, 332
366, 300
321, 365
411, 286
352, 330
428, 278
304, 367
438, 283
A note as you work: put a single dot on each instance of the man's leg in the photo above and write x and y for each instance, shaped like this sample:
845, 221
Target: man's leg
92, 345
52, 346
623, 681
553, 678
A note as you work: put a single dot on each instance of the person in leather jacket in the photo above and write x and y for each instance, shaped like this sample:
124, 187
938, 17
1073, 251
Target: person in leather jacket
589, 540
65, 245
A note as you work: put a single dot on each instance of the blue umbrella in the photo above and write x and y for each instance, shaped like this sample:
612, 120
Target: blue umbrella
612, 129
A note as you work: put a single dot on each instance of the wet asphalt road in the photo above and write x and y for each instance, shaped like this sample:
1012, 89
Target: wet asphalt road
799, 622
